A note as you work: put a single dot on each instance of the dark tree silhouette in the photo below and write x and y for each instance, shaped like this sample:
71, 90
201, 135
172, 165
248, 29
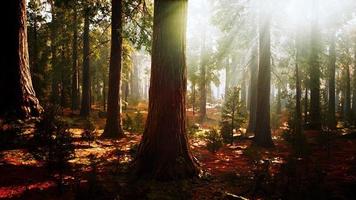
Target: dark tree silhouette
113, 120
75, 69
164, 151
85, 105
332, 68
315, 117
17, 94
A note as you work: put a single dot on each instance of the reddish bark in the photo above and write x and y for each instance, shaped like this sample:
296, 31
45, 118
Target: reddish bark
263, 127
113, 120
17, 94
164, 151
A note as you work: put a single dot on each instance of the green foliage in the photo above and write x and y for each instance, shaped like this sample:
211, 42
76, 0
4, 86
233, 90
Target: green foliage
214, 140
233, 114
89, 131
52, 141
127, 122
138, 122
135, 124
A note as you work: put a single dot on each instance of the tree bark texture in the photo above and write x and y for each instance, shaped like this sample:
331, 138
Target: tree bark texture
164, 152
263, 128
18, 97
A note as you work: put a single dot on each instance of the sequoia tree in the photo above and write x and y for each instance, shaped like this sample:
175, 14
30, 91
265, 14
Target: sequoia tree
253, 91
85, 104
263, 127
314, 70
164, 151
113, 120
75, 68
331, 89
17, 94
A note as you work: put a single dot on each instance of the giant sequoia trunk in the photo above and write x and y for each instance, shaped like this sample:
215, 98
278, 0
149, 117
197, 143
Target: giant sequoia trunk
332, 70
113, 120
253, 91
164, 151
85, 107
263, 128
75, 70
17, 94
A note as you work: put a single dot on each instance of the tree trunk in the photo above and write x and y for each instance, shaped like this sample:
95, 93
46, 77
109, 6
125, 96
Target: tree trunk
253, 91
332, 71
315, 116
263, 128
18, 96
306, 106
298, 90
164, 152
202, 85
75, 69
85, 107
279, 101
113, 127
347, 114
227, 76
354, 89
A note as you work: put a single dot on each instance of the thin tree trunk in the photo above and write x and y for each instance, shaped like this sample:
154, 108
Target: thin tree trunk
253, 91
298, 90
75, 69
85, 105
228, 76
332, 71
113, 127
354, 89
55, 91
306, 106
348, 113
263, 128
202, 86
18, 96
164, 151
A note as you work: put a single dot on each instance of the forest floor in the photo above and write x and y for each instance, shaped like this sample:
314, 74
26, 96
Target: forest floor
101, 170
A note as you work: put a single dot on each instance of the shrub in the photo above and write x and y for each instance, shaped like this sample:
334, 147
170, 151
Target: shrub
89, 131
127, 123
233, 114
52, 142
138, 122
214, 141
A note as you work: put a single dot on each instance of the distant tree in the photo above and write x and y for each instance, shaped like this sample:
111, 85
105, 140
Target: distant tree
86, 104
354, 87
202, 79
164, 151
75, 67
263, 128
314, 71
17, 94
253, 91
331, 71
